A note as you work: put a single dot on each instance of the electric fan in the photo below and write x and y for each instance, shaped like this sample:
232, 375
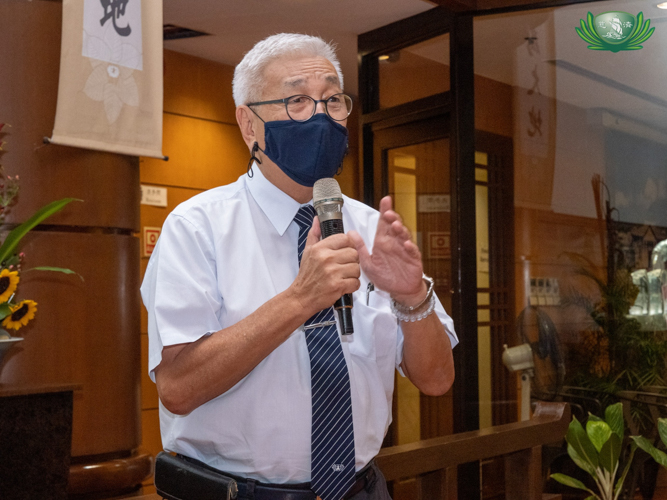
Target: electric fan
539, 358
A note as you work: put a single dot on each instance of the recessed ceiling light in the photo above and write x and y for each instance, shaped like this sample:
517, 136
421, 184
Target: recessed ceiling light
662, 5
386, 57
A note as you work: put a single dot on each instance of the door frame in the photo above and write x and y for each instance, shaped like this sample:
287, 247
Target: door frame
458, 104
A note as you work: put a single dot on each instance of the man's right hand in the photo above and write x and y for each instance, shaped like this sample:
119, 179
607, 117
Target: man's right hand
191, 374
329, 269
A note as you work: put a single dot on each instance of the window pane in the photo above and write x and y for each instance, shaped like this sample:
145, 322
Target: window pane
589, 135
417, 71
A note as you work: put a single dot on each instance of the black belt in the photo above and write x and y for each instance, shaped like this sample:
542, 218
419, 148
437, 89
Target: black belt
184, 478
261, 491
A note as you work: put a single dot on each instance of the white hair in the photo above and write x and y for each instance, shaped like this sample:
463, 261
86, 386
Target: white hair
249, 81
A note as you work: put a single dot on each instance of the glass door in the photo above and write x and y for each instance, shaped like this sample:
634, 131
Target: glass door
412, 166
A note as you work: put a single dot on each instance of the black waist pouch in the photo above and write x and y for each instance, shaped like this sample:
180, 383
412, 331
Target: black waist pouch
178, 478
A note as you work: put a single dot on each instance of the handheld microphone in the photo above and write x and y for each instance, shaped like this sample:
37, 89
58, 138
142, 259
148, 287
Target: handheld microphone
328, 203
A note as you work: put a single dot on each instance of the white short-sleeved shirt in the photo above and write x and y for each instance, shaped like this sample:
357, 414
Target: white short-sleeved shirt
220, 256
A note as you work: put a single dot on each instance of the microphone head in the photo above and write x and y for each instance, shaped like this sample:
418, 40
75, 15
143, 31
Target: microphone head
327, 190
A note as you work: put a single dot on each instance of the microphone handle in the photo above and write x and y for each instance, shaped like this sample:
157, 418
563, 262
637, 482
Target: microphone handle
344, 308
344, 304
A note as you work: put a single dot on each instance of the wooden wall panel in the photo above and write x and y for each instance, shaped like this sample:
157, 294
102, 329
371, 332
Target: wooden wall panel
85, 332
202, 154
198, 88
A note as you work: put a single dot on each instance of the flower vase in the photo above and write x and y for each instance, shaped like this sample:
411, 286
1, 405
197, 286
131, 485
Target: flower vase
6, 344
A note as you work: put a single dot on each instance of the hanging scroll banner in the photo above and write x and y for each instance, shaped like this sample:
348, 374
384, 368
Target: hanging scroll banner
110, 89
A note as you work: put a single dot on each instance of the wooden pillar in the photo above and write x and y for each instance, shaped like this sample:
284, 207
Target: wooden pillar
85, 332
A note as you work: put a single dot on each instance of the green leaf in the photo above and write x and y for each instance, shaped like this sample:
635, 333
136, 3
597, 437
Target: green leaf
643, 38
594, 417
5, 310
613, 415
583, 33
621, 480
598, 432
662, 429
581, 444
15, 235
643, 26
638, 26
590, 33
572, 482
580, 462
647, 446
640, 33
610, 453
591, 23
54, 269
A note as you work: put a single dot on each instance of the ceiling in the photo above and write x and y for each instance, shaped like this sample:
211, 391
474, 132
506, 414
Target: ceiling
629, 83
236, 25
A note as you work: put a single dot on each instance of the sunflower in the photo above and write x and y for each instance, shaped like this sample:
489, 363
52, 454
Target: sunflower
8, 281
23, 312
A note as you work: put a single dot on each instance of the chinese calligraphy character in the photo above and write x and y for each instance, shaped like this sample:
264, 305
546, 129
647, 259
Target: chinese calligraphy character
533, 46
113, 9
535, 122
535, 89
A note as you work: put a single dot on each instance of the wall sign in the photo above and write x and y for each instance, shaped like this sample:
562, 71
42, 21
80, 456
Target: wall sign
151, 234
439, 246
430, 203
153, 195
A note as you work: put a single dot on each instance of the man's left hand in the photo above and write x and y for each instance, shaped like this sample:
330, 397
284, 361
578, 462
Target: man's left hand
395, 264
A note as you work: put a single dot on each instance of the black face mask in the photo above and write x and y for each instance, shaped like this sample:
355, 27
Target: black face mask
306, 151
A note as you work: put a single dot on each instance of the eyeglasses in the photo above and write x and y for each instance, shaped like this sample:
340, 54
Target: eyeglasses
301, 108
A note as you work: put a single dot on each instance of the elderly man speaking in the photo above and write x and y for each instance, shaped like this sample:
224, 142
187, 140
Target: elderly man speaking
256, 383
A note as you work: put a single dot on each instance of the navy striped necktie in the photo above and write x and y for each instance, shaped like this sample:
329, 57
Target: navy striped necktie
332, 438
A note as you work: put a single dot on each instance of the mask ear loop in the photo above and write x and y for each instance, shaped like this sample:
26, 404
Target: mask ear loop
255, 148
340, 168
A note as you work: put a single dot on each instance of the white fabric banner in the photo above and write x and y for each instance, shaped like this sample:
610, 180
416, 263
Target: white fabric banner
110, 90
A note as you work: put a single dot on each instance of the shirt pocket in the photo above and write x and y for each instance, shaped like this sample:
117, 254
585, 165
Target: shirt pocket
375, 335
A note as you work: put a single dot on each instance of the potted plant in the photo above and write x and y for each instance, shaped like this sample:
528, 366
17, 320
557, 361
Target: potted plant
598, 451
614, 353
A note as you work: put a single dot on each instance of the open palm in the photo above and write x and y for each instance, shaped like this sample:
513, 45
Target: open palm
395, 264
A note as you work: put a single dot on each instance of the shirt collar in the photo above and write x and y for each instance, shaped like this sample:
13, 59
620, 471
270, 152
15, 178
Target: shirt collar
279, 207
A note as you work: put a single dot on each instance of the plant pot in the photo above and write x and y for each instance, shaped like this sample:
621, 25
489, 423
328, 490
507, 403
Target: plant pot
6, 344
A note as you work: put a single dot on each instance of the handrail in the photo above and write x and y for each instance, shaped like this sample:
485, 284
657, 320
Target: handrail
549, 424
433, 461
